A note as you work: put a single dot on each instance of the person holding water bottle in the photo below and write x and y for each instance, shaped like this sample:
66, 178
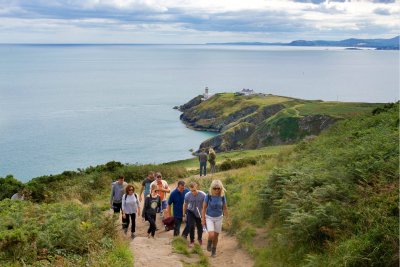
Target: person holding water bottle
214, 209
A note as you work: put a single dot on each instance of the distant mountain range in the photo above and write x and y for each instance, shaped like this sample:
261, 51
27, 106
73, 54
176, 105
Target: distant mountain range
380, 44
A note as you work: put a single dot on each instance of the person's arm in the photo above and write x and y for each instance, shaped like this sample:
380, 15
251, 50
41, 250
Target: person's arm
141, 192
225, 207
146, 203
123, 207
138, 206
112, 196
168, 210
203, 213
166, 188
184, 211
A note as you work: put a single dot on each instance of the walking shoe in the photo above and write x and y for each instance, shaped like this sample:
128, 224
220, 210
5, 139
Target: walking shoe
200, 242
191, 244
214, 252
133, 235
209, 243
125, 230
148, 235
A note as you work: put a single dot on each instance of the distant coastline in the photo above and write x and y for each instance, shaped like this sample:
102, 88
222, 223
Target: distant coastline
378, 44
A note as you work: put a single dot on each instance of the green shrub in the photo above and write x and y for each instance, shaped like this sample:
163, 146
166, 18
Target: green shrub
337, 200
236, 164
9, 186
68, 230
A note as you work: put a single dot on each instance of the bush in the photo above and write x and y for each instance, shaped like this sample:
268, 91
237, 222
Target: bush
337, 200
29, 232
9, 186
236, 164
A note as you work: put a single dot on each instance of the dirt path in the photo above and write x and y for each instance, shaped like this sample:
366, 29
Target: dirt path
150, 252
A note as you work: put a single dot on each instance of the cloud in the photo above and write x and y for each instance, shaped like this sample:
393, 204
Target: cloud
277, 19
382, 11
310, 1
384, 1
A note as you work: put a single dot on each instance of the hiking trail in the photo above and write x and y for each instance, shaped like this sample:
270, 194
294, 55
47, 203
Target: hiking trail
149, 252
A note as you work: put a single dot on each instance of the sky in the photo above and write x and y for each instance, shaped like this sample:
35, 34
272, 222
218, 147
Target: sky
195, 21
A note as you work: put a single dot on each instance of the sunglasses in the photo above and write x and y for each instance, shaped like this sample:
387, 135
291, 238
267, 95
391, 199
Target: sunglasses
216, 188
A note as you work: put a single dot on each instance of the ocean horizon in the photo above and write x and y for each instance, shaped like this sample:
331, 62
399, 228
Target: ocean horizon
70, 106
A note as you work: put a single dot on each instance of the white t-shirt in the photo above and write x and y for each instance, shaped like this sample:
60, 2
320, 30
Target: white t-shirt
130, 204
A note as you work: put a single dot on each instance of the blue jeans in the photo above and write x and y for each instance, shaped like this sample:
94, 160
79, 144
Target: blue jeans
203, 168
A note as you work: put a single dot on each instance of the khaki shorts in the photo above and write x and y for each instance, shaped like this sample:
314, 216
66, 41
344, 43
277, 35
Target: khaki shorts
214, 224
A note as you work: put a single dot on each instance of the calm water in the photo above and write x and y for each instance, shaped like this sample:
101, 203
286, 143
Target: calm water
69, 107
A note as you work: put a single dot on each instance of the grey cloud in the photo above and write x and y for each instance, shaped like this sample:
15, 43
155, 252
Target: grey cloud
317, 2
384, 1
382, 11
264, 21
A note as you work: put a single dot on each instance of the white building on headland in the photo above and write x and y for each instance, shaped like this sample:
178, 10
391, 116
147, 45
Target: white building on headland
245, 91
206, 94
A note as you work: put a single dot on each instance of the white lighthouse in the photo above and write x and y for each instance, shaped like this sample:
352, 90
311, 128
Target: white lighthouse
206, 95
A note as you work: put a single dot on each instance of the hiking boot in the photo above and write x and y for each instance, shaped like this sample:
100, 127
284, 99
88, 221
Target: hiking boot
214, 252
133, 235
209, 243
200, 242
191, 244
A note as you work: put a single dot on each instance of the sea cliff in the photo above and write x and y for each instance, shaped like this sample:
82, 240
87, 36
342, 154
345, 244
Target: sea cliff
259, 120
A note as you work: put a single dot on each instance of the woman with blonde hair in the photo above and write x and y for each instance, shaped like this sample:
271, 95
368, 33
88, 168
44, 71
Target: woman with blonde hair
214, 209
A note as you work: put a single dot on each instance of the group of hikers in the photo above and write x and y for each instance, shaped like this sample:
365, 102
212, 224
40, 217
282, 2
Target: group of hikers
201, 211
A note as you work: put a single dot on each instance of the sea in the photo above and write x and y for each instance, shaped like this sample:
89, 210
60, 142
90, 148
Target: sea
64, 107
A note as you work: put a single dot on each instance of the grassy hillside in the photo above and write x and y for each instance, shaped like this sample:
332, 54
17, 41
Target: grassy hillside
262, 153
332, 201
67, 220
328, 201
250, 122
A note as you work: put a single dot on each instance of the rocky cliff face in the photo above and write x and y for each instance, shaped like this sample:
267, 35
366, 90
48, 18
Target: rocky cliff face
250, 123
289, 130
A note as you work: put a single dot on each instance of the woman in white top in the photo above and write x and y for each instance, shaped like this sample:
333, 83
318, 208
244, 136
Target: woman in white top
130, 207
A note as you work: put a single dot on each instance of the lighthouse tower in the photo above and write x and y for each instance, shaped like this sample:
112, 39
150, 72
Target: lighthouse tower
205, 95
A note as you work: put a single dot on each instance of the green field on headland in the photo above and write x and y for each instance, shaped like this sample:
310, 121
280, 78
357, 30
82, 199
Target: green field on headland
259, 120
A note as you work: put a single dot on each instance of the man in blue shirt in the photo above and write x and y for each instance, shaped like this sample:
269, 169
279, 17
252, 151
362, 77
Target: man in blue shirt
177, 198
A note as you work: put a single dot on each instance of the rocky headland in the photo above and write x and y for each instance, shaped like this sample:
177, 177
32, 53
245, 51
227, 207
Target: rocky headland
255, 121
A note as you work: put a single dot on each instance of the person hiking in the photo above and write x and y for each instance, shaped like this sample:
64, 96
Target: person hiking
214, 208
203, 162
194, 205
212, 157
163, 189
177, 199
130, 207
146, 185
152, 203
117, 191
